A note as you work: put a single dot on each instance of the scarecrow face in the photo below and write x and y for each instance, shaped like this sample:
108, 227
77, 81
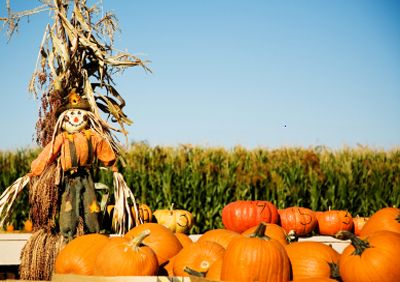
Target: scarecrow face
75, 120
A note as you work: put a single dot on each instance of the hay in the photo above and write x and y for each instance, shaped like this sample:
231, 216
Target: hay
39, 254
44, 199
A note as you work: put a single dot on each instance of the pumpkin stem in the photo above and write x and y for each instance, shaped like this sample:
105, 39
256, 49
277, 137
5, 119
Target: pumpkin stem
335, 273
137, 241
260, 232
398, 218
359, 244
193, 272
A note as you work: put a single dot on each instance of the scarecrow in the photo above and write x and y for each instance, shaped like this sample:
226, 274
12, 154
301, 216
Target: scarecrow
75, 149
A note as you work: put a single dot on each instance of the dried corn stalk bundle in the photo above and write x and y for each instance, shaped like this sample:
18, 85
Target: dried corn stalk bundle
43, 199
39, 254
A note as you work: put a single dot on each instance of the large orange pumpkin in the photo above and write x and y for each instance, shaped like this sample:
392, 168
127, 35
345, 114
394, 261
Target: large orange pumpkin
241, 215
198, 256
315, 280
272, 230
126, 257
79, 255
220, 236
312, 260
384, 219
255, 258
162, 240
332, 221
299, 220
214, 272
370, 258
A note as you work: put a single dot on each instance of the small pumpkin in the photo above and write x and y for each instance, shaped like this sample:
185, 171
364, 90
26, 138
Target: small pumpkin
312, 260
272, 230
387, 218
126, 257
197, 257
241, 215
370, 258
79, 255
145, 213
332, 221
255, 258
161, 239
220, 236
28, 225
176, 220
302, 221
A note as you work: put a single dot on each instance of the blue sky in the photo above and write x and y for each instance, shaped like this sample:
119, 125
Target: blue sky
251, 73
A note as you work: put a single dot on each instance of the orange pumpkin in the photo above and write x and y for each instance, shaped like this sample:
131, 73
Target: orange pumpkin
126, 257
272, 230
314, 280
198, 256
257, 258
370, 258
312, 260
241, 215
79, 255
162, 240
145, 213
384, 219
220, 236
28, 225
299, 220
184, 239
332, 221
359, 222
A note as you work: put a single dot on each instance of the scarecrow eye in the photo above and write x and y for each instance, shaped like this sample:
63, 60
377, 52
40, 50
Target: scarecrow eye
79, 113
72, 113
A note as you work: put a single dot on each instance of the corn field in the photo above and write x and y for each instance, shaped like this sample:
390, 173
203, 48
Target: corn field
203, 180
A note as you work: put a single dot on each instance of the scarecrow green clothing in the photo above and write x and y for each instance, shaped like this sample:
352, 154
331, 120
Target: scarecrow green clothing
76, 153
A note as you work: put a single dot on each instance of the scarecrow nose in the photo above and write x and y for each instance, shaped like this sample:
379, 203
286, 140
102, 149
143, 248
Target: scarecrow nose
76, 119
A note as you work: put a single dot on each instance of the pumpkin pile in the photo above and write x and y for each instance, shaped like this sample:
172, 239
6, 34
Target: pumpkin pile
253, 246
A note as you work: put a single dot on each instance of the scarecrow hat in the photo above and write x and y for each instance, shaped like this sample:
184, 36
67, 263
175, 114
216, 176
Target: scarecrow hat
74, 101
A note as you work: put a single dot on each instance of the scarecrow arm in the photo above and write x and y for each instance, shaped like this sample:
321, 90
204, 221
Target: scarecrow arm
47, 156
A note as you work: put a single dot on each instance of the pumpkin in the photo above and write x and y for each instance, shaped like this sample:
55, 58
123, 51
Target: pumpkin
79, 255
312, 260
176, 220
220, 236
272, 230
197, 257
184, 239
299, 220
332, 221
255, 258
162, 240
28, 225
384, 219
145, 213
122, 256
359, 222
241, 215
370, 258
10, 227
